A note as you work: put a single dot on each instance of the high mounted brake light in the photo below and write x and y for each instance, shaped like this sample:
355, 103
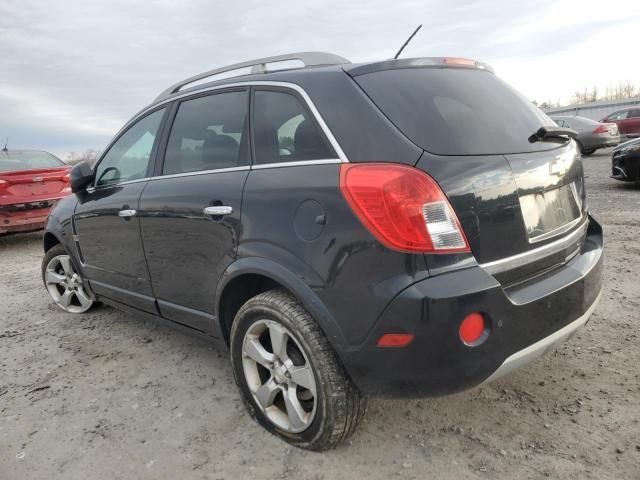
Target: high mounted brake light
403, 207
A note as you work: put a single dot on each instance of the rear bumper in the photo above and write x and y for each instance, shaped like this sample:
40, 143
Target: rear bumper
22, 220
603, 141
525, 321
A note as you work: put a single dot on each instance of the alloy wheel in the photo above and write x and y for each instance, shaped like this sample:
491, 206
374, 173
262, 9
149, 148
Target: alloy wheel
65, 285
279, 376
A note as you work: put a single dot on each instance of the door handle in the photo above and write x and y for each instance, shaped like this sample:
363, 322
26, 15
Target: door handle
126, 213
218, 210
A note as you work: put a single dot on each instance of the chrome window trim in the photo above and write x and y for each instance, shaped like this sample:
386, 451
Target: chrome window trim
111, 185
298, 163
521, 259
249, 83
200, 172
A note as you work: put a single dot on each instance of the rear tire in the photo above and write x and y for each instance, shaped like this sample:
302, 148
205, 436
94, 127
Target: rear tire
315, 411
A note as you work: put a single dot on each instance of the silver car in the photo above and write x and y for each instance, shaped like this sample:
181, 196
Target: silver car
592, 135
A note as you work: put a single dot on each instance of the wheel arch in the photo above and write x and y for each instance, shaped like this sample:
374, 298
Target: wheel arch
49, 241
248, 277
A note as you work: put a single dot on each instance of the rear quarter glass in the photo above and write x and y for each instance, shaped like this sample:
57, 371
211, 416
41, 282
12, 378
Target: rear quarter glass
456, 111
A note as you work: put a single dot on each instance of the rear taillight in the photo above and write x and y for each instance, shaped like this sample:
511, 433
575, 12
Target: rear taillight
67, 177
601, 129
3, 185
403, 207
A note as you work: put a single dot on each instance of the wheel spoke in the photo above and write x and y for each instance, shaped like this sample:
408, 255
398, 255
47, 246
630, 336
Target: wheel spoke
65, 299
295, 412
279, 338
82, 297
65, 262
254, 350
266, 394
53, 277
303, 376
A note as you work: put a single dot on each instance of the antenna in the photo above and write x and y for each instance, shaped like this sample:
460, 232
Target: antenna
5, 145
408, 40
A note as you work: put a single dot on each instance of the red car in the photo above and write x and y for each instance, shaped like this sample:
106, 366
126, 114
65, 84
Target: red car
628, 121
31, 182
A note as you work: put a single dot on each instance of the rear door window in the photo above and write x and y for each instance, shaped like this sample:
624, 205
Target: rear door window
208, 133
451, 111
285, 131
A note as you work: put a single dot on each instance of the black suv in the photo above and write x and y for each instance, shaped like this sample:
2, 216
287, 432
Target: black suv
399, 228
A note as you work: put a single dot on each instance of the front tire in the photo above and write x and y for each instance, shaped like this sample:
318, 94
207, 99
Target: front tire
289, 376
62, 279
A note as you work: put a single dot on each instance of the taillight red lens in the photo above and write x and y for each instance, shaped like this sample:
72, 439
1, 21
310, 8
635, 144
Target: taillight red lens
3, 184
67, 178
601, 129
403, 207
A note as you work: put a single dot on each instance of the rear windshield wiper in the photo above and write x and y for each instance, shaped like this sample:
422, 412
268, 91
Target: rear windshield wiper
550, 133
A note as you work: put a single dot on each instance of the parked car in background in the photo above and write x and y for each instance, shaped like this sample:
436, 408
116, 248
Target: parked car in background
346, 229
592, 135
31, 182
628, 121
625, 161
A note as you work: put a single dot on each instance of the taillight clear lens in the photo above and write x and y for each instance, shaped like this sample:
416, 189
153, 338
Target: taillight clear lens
403, 207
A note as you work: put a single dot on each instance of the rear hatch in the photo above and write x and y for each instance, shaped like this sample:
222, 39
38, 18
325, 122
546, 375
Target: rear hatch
511, 196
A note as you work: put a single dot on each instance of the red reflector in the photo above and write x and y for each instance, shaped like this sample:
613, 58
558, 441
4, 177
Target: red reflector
395, 340
403, 207
472, 328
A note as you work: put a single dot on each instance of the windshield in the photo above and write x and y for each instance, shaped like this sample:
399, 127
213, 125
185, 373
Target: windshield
455, 111
15, 161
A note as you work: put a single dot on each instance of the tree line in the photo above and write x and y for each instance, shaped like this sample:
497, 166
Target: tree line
621, 91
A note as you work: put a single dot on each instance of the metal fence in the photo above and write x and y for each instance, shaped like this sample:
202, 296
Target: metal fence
594, 110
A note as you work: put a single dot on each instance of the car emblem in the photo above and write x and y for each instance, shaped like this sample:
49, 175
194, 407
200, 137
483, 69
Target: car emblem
37, 179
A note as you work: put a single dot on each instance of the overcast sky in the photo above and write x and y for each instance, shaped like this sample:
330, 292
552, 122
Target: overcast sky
72, 72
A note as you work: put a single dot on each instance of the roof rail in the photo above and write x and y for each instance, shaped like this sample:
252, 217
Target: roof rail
309, 59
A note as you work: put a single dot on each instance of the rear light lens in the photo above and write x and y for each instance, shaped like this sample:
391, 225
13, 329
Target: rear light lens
395, 340
601, 129
3, 184
67, 177
473, 329
459, 61
403, 207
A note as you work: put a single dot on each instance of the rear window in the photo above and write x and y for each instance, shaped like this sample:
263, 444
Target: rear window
15, 161
449, 111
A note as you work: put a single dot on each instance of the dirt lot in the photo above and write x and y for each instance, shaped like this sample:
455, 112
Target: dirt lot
106, 395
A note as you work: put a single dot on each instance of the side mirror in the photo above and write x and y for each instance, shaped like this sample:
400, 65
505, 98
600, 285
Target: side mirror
81, 175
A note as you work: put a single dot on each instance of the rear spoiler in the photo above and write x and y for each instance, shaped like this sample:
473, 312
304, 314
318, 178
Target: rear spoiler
428, 62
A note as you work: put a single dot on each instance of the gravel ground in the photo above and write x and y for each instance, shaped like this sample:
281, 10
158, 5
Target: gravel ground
106, 395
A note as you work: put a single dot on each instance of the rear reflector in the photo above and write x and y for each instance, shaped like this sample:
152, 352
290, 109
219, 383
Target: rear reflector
403, 207
395, 340
473, 329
